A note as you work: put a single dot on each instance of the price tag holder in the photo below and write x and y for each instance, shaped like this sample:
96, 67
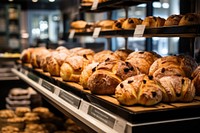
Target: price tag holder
57, 91
101, 116
23, 71
96, 32
33, 77
71, 99
48, 86
71, 34
139, 31
120, 125
84, 106
94, 5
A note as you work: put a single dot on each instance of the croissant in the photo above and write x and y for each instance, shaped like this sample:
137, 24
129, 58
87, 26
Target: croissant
108, 75
138, 89
177, 89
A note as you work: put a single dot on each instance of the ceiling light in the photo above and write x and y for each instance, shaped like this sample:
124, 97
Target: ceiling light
51, 0
165, 5
11, 0
156, 4
34, 0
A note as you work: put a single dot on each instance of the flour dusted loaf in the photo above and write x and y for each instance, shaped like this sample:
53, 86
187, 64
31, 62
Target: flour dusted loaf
153, 22
130, 23
177, 89
71, 69
108, 75
142, 60
196, 80
138, 89
173, 20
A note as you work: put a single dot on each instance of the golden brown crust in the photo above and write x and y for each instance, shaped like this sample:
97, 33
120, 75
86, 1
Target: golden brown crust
26, 55
196, 80
79, 24
123, 53
105, 55
105, 24
189, 19
138, 89
118, 24
131, 23
173, 20
177, 89
142, 60
152, 22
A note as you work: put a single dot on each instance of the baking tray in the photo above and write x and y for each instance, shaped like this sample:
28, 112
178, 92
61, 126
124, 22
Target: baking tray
133, 114
113, 5
170, 31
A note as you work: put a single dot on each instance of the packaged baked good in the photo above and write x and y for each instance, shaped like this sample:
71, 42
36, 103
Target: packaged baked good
138, 89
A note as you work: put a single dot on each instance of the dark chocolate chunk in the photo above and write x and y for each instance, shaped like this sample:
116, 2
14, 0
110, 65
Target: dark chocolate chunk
121, 85
162, 70
150, 77
130, 20
178, 94
130, 81
126, 70
94, 69
144, 81
141, 52
154, 94
118, 25
107, 59
182, 81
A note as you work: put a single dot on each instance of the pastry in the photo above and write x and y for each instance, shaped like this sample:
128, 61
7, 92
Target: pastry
108, 75
72, 67
26, 55
153, 22
196, 80
105, 24
78, 26
138, 89
142, 60
122, 53
189, 19
131, 23
105, 55
177, 89
16, 122
20, 111
10, 129
173, 20
118, 24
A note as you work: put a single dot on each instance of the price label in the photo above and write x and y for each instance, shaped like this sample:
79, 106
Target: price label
33, 77
48, 86
74, 101
96, 32
139, 31
71, 34
23, 71
57, 91
120, 125
101, 116
84, 106
95, 5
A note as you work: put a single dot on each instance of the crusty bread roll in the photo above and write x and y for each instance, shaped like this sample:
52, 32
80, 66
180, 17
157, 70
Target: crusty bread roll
105, 55
131, 23
108, 75
79, 24
86, 53
189, 19
173, 20
196, 80
105, 24
177, 89
139, 89
118, 24
71, 69
86, 73
142, 60
26, 55
43, 62
152, 22
123, 53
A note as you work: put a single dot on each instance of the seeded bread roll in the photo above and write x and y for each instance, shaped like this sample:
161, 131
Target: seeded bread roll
142, 60
105, 24
71, 69
177, 89
173, 20
196, 80
131, 23
123, 53
118, 24
86, 53
153, 22
108, 75
105, 55
189, 19
139, 89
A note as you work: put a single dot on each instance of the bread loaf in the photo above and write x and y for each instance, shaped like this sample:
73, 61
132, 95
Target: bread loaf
108, 75
118, 24
78, 26
142, 60
189, 19
71, 69
26, 55
105, 24
105, 55
196, 80
177, 89
122, 53
153, 22
139, 89
173, 20
131, 23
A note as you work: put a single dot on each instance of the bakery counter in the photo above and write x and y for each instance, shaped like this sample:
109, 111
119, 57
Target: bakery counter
170, 31
104, 113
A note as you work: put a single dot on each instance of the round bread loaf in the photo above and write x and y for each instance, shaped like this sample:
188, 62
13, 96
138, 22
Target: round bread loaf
123, 53
105, 55
138, 89
131, 23
177, 89
152, 22
118, 24
173, 20
105, 24
21, 111
71, 69
189, 19
26, 55
108, 75
142, 60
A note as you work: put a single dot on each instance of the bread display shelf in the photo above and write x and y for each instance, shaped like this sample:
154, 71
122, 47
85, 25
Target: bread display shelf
134, 114
113, 5
173, 31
